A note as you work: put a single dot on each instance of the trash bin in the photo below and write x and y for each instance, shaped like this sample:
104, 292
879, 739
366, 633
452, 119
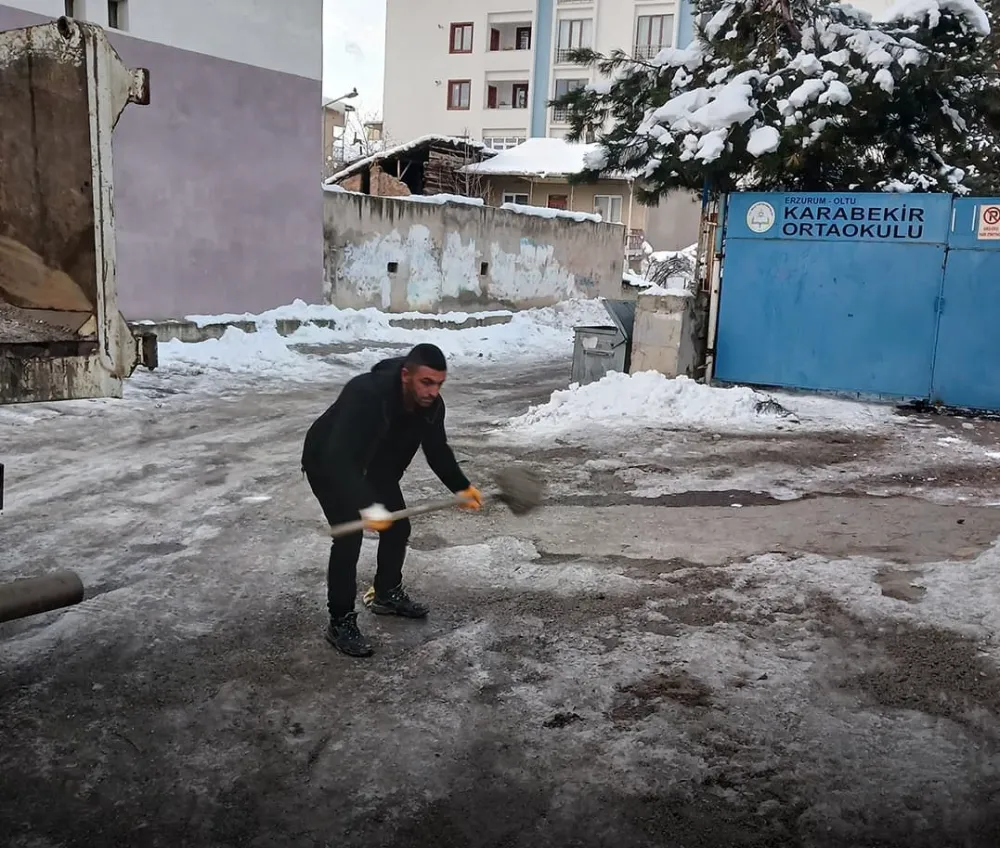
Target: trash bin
598, 350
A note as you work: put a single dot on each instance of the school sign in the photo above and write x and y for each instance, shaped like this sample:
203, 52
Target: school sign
891, 295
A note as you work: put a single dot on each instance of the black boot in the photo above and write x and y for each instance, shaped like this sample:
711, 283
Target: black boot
344, 635
396, 602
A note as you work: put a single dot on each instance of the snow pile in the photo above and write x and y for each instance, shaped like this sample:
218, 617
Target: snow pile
299, 310
530, 334
545, 212
763, 140
441, 199
431, 199
536, 157
643, 400
649, 400
671, 291
264, 354
919, 11
541, 157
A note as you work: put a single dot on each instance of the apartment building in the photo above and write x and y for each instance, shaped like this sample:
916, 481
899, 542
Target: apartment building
488, 68
217, 203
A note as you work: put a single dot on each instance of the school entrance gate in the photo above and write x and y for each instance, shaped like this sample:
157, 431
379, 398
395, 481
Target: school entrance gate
887, 295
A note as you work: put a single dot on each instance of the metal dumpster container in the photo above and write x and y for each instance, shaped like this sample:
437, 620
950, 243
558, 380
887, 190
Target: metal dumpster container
598, 350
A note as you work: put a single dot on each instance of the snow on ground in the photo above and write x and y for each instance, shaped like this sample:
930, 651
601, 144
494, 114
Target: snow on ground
963, 597
649, 400
530, 334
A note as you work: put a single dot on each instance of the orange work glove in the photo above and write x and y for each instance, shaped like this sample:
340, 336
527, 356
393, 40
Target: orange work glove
376, 518
472, 497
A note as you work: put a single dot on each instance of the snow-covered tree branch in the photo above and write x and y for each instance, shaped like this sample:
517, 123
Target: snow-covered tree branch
804, 95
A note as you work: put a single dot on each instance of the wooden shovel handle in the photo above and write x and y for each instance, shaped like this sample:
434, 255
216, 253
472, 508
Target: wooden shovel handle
349, 527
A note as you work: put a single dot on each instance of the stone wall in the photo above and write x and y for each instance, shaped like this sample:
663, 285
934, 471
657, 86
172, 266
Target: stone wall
414, 255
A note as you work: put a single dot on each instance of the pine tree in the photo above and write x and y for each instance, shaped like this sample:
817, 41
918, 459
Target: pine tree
803, 95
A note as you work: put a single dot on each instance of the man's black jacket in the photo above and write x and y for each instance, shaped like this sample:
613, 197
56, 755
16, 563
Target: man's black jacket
367, 433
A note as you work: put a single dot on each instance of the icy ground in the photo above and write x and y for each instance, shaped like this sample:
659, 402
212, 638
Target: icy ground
734, 624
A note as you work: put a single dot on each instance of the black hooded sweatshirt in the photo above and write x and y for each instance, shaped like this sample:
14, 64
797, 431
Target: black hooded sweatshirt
367, 436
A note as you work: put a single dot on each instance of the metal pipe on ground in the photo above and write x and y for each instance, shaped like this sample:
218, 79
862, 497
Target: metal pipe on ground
34, 595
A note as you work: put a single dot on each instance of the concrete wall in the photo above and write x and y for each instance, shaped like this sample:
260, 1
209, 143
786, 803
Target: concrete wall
669, 335
278, 35
457, 256
215, 180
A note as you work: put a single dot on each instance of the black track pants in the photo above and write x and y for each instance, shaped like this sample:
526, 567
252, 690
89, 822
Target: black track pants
342, 570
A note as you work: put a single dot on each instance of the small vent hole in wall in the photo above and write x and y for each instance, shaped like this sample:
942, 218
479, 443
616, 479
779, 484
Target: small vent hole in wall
484, 268
392, 267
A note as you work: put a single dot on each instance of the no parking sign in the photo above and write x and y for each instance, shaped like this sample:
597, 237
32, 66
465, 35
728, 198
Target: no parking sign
989, 222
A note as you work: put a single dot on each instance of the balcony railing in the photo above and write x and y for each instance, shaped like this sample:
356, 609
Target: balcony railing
648, 51
563, 54
560, 115
634, 241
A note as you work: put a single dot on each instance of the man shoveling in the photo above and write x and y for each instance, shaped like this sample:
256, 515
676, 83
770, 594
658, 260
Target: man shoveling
354, 456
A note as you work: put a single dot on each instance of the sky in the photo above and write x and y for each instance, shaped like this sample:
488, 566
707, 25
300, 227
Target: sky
354, 51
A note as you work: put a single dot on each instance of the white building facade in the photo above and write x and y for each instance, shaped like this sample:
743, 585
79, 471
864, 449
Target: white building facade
488, 68
216, 197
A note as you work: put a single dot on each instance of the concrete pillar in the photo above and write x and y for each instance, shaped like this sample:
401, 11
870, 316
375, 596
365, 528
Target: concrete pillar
668, 335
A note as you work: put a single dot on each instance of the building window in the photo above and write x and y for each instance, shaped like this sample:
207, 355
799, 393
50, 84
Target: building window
117, 14
68, 9
652, 34
507, 95
514, 197
461, 38
510, 37
560, 114
519, 95
459, 94
573, 35
502, 142
609, 207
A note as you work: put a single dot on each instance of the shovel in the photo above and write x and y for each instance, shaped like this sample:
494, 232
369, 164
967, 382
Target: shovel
520, 488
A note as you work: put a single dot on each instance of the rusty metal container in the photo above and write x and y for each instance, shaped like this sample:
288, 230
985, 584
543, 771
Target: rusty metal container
62, 89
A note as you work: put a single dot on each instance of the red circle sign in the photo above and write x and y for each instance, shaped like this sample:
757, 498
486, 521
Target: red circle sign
991, 215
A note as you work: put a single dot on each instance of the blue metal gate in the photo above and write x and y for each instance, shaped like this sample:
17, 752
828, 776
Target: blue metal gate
967, 360
883, 295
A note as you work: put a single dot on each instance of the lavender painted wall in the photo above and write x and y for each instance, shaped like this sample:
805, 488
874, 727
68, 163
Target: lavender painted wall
217, 199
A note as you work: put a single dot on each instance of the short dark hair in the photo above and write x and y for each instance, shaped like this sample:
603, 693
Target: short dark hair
427, 355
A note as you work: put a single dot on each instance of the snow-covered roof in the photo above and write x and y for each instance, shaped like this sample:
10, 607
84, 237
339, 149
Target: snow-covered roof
540, 157
449, 141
